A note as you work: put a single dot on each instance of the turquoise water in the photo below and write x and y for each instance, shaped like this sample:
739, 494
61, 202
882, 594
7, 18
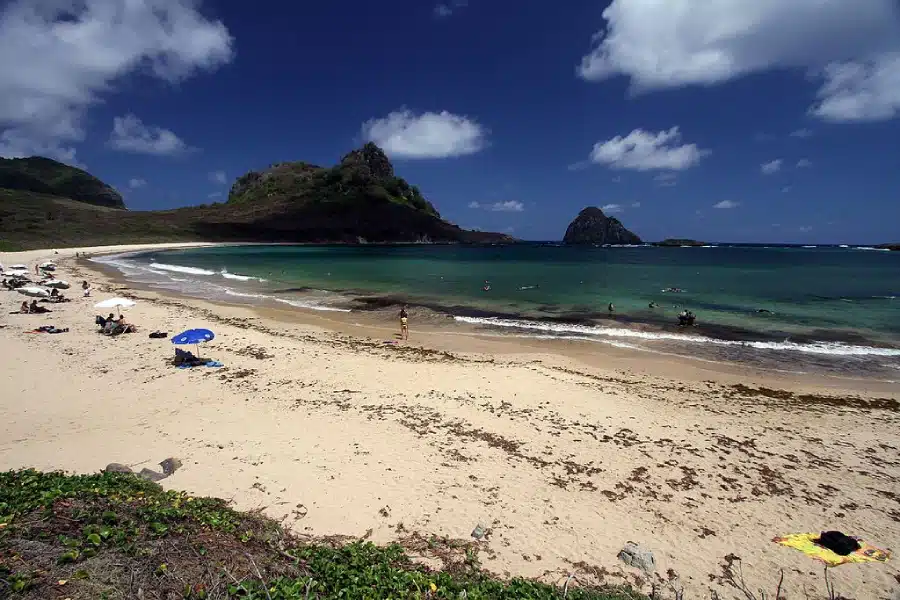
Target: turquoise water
818, 302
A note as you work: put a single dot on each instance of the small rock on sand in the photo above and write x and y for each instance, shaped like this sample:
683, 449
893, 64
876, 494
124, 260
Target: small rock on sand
635, 556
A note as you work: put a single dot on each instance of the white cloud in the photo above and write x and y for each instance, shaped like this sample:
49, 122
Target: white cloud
804, 163
666, 179
612, 208
635, 205
617, 179
771, 167
727, 204
58, 58
805, 229
785, 189
129, 134
218, 177
852, 48
445, 9
801, 133
136, 183
429, 135
508, 206
644, 151
214, 195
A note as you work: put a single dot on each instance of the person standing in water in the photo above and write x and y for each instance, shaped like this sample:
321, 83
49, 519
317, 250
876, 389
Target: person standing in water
404, 323
611, 308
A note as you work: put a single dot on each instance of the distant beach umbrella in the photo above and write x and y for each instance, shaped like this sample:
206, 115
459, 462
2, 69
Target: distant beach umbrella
118, 303
18, 267
57, 283
193, 336
47, 266
34, 292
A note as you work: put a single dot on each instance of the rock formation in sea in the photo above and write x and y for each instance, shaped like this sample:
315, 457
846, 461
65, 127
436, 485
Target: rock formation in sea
678, 243
591, 226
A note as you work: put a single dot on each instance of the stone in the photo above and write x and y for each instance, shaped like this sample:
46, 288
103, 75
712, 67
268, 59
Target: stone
478, 533
117, 468
591, 226
170, 465
635, 556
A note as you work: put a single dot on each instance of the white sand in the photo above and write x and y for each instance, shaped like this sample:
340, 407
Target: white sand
562, 459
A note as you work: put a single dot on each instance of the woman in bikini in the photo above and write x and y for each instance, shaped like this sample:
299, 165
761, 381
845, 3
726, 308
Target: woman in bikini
404, 323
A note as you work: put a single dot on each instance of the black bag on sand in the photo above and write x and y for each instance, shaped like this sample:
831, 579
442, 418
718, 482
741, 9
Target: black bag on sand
159, 334
837, 542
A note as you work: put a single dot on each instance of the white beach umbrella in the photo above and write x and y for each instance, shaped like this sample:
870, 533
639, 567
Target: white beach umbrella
34, 292
57, 283
48, 266
18, 267
119, 303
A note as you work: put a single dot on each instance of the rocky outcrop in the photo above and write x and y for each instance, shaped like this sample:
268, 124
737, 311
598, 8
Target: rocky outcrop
359, 200
894, 247
591, 226
40, 175
678, 243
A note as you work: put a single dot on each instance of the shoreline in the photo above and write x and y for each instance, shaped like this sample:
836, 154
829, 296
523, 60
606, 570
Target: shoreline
372, 316
563, 450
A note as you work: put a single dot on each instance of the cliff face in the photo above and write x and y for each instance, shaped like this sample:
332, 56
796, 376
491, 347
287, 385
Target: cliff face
40, 175
591, 226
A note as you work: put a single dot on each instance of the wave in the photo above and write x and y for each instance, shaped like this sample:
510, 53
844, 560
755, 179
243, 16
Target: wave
224, 273
180, 269
310, 305
871, 248
564, 330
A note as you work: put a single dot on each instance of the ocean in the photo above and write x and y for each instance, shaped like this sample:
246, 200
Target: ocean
825, 309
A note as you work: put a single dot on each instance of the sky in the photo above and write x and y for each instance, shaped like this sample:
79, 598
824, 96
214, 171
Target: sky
719, 120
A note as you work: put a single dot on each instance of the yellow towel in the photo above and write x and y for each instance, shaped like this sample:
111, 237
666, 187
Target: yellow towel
805, 544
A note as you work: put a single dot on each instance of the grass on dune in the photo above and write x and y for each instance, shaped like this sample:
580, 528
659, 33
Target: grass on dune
116, 536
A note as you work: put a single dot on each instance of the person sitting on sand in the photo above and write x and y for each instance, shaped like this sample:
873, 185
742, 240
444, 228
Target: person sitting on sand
54, 293
86, 288
35, 309
24, 308
404, 323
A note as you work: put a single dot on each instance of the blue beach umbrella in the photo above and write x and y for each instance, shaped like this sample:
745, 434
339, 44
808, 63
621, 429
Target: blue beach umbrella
193, 336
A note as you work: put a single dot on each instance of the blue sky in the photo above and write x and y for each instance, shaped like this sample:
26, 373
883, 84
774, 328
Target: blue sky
722, 120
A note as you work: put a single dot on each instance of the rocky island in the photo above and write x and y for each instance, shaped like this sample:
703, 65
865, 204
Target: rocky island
591, 226
678, 243
359, 200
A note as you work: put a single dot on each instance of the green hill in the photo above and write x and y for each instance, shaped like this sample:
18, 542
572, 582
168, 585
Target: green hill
357, 201
45, 176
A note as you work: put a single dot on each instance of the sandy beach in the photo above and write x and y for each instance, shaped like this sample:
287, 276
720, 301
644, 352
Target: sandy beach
562, 451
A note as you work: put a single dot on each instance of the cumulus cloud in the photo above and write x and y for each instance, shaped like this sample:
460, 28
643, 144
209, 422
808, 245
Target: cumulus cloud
804, 163
508, 206
612, 208
645, 151
129, 134
445, 9
136, 183
771, 167
59, 58
218, 177
727, 204
404, 134
851, 49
